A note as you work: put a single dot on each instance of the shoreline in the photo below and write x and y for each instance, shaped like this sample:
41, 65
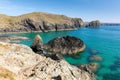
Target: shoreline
36, 31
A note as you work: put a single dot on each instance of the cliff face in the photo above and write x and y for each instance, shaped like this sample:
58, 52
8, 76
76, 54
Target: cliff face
38, 22
19, 62
93, 24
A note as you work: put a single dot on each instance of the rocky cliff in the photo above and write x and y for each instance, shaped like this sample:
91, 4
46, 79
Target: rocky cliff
19, 62
93, 24
38, 21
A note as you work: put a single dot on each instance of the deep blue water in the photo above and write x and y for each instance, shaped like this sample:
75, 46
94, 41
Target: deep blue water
104, 41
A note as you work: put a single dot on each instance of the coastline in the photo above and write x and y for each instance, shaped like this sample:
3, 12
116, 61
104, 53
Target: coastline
36, 31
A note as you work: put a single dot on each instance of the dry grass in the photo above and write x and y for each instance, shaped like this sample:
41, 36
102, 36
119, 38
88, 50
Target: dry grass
1, 54
7, 21
6, 74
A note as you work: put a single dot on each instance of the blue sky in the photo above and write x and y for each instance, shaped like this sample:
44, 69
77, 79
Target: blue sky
103, 10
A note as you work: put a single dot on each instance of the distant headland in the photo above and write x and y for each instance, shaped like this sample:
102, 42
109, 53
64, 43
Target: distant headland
111, 24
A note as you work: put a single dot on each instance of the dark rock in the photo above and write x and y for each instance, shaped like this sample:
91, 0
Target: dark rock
37, 45
57, 78
93, 24
53, 56
65, 45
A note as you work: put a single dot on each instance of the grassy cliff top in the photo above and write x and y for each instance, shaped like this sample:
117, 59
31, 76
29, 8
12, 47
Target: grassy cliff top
5, 74
37, 16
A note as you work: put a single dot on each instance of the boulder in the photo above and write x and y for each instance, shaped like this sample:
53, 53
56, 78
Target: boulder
65, 45
37, 44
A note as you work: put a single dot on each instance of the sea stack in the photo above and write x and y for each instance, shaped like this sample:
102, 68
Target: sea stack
37, 44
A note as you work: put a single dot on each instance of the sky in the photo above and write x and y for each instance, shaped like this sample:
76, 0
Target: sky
88, 10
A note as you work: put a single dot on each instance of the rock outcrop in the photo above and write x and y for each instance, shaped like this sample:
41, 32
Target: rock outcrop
93, 24
38, 21
21, 63
37, 45
65, 45
12, 39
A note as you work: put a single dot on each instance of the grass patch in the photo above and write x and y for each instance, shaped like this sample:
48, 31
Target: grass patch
6, 74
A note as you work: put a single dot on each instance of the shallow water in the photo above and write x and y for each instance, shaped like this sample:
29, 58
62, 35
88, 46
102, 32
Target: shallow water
103, 41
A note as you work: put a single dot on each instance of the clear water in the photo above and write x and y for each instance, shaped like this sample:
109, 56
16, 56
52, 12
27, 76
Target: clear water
104, 40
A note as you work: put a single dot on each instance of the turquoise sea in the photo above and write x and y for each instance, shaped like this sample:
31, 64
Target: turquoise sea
103, 41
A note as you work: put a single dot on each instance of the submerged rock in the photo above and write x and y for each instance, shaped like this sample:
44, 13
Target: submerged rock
116, 65
111, 76
95, 58
37, 45
92, 67
27, 65
65, 45
93, 51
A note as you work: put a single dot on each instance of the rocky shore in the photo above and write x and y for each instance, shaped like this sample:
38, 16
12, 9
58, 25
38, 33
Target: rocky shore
19, 62
12, 39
